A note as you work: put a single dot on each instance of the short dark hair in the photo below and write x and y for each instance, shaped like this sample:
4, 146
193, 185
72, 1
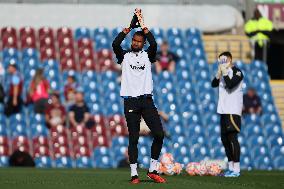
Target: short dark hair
227, 54
165, 43
13, 65
140, 33
55, 94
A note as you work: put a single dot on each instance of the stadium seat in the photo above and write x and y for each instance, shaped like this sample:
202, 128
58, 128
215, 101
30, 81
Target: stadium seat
277, 151
4, 150
278, 162
182, 151
87, 64
246, 163
101, 31
259, 150
217, 152
80, 140
39, 130
84, 162
19, 130
40, 141
262, 163
63, 162
176, 32
255, 140
82, 151
119, 141
104, 162
144, 151
48, 53
199, 153
27, 31
275, 141
100, 140
43, 162
41, 151
10, 31
144, 141
4, 141
79, 130
64, 32
85, 43
157, 32
68, 64
21, 143
269, 119
3, 129
4, 160
37, 118
119, 153
82, 32
61, 151
176, 130
9, 42
58, 131
45, 31
117, 125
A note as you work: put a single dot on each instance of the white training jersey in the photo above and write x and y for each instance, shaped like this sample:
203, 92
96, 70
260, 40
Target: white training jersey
136, 78
231, 93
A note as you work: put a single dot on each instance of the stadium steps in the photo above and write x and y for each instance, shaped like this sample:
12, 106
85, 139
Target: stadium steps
278, 91
239, 45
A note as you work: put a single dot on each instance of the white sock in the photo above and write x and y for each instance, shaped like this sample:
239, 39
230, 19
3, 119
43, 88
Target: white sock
133, 169
236, 167
231, 165
153, 165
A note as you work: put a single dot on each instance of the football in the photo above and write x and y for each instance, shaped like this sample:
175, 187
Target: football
192, 168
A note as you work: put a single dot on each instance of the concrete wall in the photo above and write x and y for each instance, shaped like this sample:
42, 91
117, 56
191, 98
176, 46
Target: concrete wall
206, 17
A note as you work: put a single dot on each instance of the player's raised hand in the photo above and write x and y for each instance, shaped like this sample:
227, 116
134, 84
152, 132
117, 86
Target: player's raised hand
222, 60
224, 65
134, 22
219, 72
139, 14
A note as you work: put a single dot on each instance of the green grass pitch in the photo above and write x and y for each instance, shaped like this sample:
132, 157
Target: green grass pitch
28, 178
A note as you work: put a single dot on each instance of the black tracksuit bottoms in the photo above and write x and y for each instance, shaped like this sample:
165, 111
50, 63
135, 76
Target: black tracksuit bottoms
134, 108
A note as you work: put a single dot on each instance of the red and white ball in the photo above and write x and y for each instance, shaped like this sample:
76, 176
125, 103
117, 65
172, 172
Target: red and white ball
166, 159
192, 168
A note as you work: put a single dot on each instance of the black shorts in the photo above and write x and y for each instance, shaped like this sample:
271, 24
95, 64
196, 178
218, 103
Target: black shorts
230, 123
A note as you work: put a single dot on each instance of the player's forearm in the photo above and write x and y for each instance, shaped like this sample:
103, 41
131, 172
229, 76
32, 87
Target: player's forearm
117, 49
231, 83
152, 49
118, 40
151, 39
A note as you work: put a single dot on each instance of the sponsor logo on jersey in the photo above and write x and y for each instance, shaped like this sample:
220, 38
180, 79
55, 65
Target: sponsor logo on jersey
139, 68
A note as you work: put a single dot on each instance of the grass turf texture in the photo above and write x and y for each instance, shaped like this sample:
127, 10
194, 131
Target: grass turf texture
27, 178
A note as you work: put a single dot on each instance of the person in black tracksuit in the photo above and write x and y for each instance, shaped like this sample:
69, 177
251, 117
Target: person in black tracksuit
229, 80
136, 90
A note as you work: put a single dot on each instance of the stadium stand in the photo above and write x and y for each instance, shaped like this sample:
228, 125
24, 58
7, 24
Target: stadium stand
186, 96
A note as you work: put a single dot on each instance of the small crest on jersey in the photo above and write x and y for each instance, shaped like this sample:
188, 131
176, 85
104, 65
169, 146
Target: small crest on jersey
238, 73
130, 111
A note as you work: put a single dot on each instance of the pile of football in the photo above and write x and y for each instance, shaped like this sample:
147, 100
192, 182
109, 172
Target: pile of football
168, 166
203, 169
